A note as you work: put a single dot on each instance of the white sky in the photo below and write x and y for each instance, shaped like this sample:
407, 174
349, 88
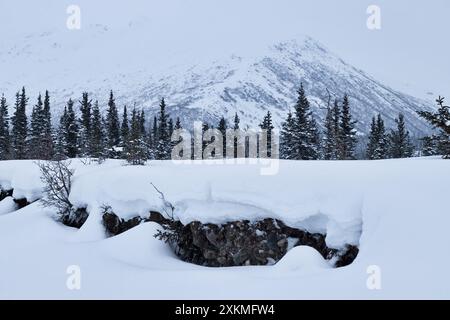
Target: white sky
411, 52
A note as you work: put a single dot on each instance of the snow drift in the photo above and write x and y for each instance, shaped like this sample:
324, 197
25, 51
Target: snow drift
394, 210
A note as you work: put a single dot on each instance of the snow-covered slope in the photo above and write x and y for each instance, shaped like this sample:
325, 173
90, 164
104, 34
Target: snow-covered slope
403, 231
198, 83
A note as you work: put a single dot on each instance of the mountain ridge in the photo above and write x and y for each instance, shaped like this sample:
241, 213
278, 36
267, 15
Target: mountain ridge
200, 87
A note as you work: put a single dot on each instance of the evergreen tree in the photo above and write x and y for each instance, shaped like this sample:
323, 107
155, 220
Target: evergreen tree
329, 144
125, 128
163, 151
236, 127
5, 147
205, 127
373, 140
97, 134
347, 132
287, 148
152, 139
47, 144
61, 143
142, 124
170, 128
305, 130
337, 128
382, 150
222, 127
37, 130
268, 126
440, 120
135, 147
85, 124
378, 145
112, 125
429, 146
19, 131
71, 132
400, 143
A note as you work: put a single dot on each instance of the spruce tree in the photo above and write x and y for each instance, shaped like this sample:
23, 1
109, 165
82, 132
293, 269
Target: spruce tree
37, 130
305, 136
5, 147
71, 131
441, 121
135, 147
47, 144
236, 127
97, 134
163, 138
287, 148
381, 152
373, 140
378, 145
112, 125
124, 129
61, 143
85, 124
347, 132
429, 146
337, 128
267, 125
19, 131
142, 124
170, 128
329, 143
400, 142
222, 127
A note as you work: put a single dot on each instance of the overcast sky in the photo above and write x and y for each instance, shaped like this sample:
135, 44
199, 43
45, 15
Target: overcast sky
411, 49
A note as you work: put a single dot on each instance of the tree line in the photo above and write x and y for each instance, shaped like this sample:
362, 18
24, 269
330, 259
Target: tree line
83, 131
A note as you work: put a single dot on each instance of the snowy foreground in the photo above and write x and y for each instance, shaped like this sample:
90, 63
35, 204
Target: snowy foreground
397, 211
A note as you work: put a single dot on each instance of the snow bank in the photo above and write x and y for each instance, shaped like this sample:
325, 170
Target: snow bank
302, 258
399, 206
7, 205
212, 193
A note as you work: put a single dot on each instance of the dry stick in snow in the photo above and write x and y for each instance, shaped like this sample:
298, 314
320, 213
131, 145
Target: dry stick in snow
165, 203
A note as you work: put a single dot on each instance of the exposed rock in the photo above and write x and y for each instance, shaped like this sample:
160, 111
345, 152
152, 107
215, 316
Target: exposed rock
21, 203
242, 243
115, 225
75, 218
5, 193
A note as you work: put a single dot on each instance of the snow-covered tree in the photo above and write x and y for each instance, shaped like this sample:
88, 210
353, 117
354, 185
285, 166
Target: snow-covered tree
5, 143
47, 142
37, 130
72, 131
441, 121
305, 131
222, 127
378, 145
267, 125
85, 124
19, 131
124, 128
287, 138
347, 132
112, 125
135, 147
399, 140
97, 138
163, 150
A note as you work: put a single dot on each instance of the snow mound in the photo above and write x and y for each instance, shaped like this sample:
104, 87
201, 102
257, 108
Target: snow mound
302, 258
7, 205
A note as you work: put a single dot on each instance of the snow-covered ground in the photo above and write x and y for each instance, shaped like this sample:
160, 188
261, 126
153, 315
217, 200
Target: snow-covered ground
396, 211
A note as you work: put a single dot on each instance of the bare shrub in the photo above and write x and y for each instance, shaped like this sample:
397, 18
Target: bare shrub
57, 179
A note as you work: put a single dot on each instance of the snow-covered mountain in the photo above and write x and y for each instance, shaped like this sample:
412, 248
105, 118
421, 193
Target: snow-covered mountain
205, 83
